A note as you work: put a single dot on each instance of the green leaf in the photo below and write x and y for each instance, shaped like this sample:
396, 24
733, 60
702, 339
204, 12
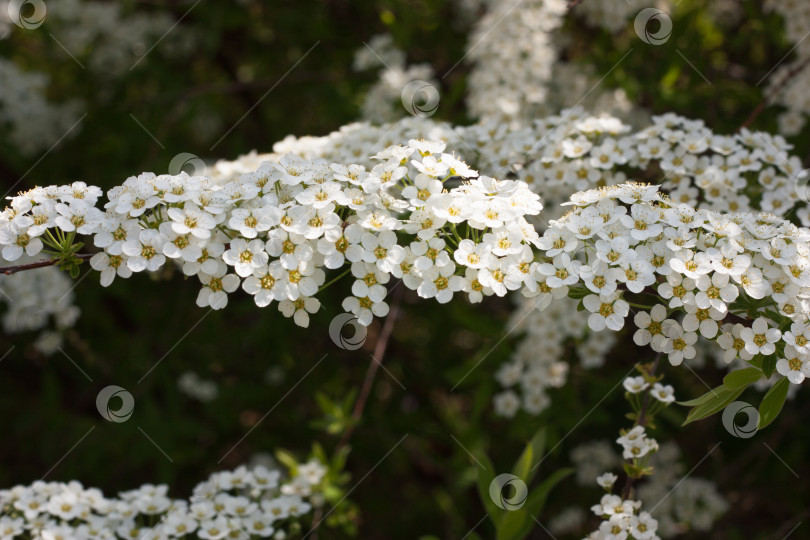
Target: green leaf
525, 467
769, 365
537, 498
718, 402
578, 293
772, 403
517, 524
485, 478
513, 524
702, 399
287, 459
742, 377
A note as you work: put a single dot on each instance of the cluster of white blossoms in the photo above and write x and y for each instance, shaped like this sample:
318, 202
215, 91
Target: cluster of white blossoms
699, 264
243, 503
613, 16
30, 120
792, 95
111, 38
103, 36
623, 518
513, 53
275, 225
39, 301
196, 387
539, 361
277, 230
695, 504
384, 101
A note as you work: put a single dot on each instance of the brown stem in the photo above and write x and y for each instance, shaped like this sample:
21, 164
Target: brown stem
8, 270
376, 361
641, 420
574, 3
798, 68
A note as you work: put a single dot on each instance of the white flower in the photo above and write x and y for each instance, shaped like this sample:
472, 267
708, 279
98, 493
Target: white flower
191, 219
339, 246
245, 256
606, 311
16, 242
606, 480
635, 385
266, 284
382, 250
145, 252
716, 292
424, 189
216, 287
109, 266
760, 339
251, 221
679, 345
650, 328
663, 393
794, 365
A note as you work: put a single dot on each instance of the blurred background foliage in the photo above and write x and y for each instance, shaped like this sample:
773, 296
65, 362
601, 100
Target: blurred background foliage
228, 95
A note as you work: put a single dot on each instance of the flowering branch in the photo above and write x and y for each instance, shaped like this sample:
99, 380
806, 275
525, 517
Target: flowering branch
9, 270
376, 361
798, 68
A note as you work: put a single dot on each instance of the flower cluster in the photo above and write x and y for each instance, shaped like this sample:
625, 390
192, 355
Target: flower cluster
243, 503
694, 505
39, 301
513, 65
30, 120
385, 99
792, 77
197, 388
698, 263
622, 519
277, 230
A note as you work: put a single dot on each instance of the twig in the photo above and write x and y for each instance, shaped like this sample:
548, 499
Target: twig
798, 68
373, 366
8, 270
640, 421
574, 3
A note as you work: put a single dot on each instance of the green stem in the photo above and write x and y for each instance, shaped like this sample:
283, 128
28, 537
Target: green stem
325, 285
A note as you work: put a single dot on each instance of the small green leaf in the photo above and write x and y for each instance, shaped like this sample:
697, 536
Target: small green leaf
742, 377
513, 524
287, 459
517, 524
723, 397
578, 293
772, 403
523, 466
702, 399
769, 365
485, 477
